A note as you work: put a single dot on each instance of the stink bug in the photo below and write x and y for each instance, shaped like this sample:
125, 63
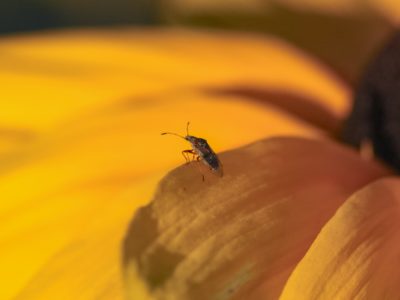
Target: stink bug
201, 151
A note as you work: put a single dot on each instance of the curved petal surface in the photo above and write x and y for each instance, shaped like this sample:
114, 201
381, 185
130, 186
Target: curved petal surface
240, 236
356, 255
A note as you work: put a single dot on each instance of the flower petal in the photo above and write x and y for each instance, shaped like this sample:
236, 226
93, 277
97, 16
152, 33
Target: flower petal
84, 70
388, 8
356, 255
81, 146
244, 233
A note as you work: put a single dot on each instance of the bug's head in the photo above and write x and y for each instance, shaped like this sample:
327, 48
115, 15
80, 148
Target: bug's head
191, 139
198, 142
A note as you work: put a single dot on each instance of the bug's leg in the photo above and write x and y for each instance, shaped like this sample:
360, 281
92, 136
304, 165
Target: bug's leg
195, 157
198, 158
185, 157
185, 154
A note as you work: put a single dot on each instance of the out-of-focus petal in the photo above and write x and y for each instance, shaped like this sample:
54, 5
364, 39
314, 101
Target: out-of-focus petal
388, 8
75, 72
81, 149
241, 235
263, 7
340, 7
356, 255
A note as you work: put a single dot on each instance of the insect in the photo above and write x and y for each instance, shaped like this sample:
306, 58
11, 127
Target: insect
201, 151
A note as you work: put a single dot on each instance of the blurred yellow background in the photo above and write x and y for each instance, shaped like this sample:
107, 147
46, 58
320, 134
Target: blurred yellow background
87, 87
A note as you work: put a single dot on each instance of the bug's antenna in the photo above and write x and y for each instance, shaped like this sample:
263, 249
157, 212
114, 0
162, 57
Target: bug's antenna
173, 134
187, 128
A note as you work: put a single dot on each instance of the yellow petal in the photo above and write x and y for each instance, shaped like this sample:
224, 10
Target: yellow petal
241, 235
74, 72
356, 254
81, 149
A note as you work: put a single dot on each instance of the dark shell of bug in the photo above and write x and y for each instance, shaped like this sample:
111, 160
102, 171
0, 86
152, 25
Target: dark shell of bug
206, 153
203, 145
212, 160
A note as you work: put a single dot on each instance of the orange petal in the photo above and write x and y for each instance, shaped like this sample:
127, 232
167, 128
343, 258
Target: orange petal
356, 255
243, 234
388, 8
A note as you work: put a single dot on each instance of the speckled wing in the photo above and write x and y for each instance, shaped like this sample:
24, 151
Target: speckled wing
209, 157
212, 160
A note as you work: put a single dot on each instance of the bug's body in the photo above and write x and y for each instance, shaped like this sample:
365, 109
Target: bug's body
203, 151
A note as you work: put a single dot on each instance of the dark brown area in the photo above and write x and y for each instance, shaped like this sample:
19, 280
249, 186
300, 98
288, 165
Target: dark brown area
376, 111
